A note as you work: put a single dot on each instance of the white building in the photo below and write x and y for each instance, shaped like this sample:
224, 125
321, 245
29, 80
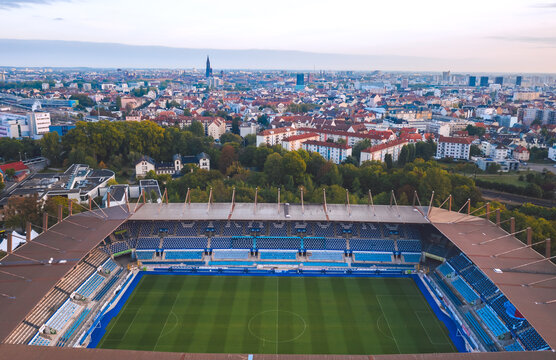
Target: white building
328, 150
146, 164
248, 129
500, 152
273, 137
453, 147
216, 128
378, 152
520, 153
39, 123
33, 124
552, 153
295, 142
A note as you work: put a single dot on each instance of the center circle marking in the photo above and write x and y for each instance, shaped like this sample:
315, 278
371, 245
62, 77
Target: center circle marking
291, 314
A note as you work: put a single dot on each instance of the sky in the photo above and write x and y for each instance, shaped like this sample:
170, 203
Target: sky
495, 35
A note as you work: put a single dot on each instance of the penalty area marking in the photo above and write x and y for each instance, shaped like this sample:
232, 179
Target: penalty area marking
276, 341
426, 330
387, 322
379, 329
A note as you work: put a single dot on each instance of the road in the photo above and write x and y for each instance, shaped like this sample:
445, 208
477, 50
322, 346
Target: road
539, 167
515, 199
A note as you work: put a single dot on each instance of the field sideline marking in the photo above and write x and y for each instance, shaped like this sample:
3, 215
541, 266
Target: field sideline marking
166, 322
277, 310
388, 322
129, 326
425, 328
117, 319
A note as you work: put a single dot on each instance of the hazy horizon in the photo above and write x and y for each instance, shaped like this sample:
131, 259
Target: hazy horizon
79, 54
431, 35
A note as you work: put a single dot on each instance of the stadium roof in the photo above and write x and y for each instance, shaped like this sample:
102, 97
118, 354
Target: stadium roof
33, 269
273, 212
536, 302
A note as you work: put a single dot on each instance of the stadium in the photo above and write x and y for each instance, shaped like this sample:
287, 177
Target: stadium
261, 281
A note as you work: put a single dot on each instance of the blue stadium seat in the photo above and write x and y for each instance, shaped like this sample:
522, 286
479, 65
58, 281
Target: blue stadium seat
324, 229
437, 249
465, 290
167, 227
532, 341
411, 257
371, 245
118, 246
229, 254
370, 231
148, 243
497, 305
446, 290
446, 269
491, 320
410, 232
232, 228
302, 228
39, 340
278, 229
514, 347
315, 243
63, 315
264, 242
187, 229
185, 243
144, 255
479, 281
460, 262
108, 285
278, 254
183, 254
480, 332
90, 285
409, 245
146, 229
71, 330
372, 256
326, 255
109, 266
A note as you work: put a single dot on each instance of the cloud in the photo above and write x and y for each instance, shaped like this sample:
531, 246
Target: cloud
551, 41
14, 4
545, 6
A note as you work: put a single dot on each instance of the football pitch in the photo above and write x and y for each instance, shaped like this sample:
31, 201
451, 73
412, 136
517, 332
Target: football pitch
277, 315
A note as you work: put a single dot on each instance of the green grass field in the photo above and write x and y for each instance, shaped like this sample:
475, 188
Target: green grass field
282, 315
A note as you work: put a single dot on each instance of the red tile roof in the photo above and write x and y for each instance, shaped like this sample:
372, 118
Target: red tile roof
455, 140
17, 166
326, 144
300, 136
385, 145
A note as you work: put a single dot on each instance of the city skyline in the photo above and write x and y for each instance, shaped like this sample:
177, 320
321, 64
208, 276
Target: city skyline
430, 36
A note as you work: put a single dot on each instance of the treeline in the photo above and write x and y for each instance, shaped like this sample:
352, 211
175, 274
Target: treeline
528, 215
24, 85
120, 144
14, 149
292, 171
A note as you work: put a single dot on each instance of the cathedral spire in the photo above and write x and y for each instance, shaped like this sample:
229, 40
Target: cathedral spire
208, 69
